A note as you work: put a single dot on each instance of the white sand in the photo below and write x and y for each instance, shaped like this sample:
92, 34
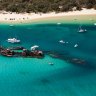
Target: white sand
13, 17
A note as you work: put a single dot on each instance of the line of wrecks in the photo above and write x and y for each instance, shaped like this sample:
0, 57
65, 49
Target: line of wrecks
21, 52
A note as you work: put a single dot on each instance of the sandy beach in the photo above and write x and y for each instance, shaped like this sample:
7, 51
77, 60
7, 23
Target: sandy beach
12, 18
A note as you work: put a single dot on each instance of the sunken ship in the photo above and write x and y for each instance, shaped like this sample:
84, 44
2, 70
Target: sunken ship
21, 52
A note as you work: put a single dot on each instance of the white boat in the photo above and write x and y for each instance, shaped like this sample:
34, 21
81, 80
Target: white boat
58, 23
76, 45
50, 63
81, 30
61, 41
33, 48
11, 25
94, 23
13, 40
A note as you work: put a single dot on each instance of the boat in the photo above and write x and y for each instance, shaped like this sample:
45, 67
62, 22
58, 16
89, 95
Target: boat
81, 30
76, 45
94, 23
34, 47
13, 40
11, 25
61, 41
58, 23
50, 63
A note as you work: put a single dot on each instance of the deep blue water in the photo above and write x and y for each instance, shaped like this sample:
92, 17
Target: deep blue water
35, 77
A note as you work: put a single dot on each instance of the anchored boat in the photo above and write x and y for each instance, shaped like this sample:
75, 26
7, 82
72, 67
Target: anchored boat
81, 30
13, 40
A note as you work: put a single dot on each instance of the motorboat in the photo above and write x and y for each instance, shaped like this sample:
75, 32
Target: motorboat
94, 23
81, 30
11, 25
58, 23
61, 41
13, 40
76, 45
33, 48
50, 63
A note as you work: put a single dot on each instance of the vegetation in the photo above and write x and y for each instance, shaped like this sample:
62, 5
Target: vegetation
45, 5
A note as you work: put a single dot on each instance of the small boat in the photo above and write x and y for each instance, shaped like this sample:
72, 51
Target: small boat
61, 41
81, 30
11, 25
34, 47
94, 23
50, 63
13, 40
58, 23
76, 45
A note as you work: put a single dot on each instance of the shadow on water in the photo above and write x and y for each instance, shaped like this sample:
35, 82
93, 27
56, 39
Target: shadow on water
45, 81
65, 74
75, 60
68, 74
22, 72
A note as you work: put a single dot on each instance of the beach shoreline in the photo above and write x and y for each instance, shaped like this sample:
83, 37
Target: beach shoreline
14, 18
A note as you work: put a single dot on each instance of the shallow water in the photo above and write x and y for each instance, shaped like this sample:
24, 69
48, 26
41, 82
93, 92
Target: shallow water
35, 77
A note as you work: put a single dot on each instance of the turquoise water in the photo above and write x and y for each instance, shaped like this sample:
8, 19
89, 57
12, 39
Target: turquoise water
35, 77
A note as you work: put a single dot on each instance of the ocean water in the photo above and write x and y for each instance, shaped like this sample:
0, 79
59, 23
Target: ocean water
35, 77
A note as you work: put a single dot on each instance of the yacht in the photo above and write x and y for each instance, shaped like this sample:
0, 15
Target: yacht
13, 40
